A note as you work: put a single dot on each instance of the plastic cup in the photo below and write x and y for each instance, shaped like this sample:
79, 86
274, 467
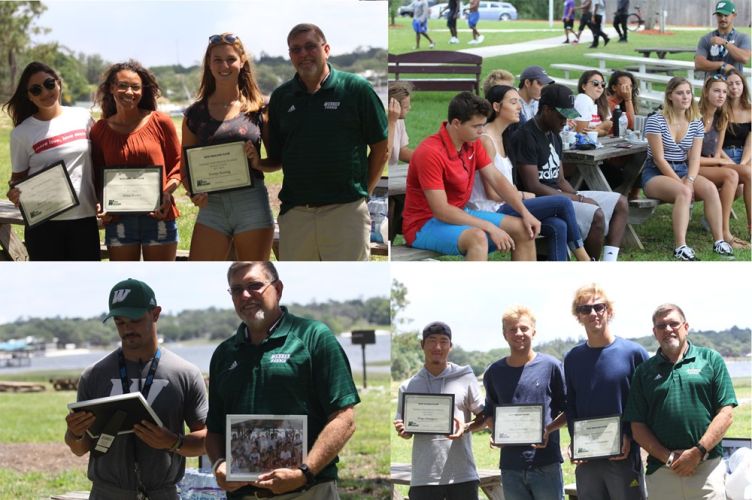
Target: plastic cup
593, 137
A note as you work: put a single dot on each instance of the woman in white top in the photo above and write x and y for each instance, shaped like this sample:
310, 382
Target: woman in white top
592, 105
46, 132
714, 163
399, 106
556, 213
672, 166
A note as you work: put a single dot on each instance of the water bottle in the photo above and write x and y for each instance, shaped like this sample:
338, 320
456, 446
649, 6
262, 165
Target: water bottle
616, 118
623, 125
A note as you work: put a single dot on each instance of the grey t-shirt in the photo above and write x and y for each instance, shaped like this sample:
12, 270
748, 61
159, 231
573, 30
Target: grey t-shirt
719, 52
710, 141
177, 395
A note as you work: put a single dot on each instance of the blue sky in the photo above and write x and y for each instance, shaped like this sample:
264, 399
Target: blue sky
37, 289
471, 297
158, 32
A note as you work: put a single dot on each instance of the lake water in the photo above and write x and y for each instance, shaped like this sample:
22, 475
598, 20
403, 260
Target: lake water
200, 355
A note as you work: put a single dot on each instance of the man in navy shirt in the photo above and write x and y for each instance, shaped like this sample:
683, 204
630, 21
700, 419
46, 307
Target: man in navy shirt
598, 374
528, 377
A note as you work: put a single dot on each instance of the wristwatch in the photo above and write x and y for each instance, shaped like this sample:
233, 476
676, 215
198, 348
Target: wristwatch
309, 477
703, 451
178, 444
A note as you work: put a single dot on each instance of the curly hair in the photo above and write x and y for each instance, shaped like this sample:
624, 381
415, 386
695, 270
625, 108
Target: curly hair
150, 87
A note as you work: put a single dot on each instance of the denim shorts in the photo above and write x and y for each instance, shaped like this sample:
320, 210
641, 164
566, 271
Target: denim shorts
237, 211
650, 170
441, 237
735, 153
132, 229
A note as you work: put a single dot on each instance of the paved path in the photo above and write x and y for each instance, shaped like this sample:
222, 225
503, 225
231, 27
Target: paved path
533, 45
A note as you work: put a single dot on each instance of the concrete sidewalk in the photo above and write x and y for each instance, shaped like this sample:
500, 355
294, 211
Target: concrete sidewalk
533, 45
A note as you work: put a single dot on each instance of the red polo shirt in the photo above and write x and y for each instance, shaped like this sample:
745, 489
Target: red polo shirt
436, 164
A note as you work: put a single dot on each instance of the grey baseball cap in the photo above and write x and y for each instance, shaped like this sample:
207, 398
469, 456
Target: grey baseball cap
536, 73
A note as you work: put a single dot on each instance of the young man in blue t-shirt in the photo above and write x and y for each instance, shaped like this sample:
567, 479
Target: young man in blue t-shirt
598, 374
528, 377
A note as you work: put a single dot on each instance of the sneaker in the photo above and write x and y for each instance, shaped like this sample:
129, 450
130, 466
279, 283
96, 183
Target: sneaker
622, 40
473, 42
593, 46
567, 41
481, 38
723, 249
431, 45
454, 40
605, 42
684, 253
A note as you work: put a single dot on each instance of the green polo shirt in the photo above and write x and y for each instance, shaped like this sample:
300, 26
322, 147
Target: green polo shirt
322, 138
678, 402
300, 369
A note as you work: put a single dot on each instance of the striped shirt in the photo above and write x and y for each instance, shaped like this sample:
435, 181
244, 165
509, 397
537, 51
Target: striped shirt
673, 151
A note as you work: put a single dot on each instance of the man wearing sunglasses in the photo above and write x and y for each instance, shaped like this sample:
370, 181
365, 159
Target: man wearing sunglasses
598, 374
443, 467
321, 125
280, 364
724, 48
150, 462
601, 216
680, 407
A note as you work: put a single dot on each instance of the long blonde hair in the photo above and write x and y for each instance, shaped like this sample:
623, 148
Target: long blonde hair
721, 115
691, 113
249, 89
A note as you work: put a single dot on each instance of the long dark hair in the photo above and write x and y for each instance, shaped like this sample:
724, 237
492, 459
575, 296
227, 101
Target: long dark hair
613, 81
19, 106
249, 89
149, 87
602, 102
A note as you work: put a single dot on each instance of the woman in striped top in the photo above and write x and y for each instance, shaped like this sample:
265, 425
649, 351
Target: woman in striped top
671, 169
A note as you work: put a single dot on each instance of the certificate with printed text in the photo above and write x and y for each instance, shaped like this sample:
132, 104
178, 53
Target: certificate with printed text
518, 424
132, 189
428, 413
45, 194
220, 167
596, 437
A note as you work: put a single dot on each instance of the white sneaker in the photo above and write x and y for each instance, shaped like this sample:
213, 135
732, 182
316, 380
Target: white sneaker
431, 45
481, 38
472, 42
454, 40
684, 253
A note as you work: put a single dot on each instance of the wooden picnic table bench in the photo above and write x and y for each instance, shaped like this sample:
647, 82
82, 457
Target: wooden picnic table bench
662, 51
11, 246
460, 71
490, 480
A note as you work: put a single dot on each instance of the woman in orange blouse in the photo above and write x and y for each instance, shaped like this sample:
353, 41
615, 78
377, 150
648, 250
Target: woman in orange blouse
133, 133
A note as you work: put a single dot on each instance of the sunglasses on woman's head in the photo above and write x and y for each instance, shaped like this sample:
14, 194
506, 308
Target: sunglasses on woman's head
36, 89
719, 76
226, 38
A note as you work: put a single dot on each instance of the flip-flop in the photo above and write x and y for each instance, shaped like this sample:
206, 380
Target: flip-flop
739, 243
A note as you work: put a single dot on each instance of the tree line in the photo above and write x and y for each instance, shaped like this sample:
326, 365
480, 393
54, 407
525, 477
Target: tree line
81, 72
207, 324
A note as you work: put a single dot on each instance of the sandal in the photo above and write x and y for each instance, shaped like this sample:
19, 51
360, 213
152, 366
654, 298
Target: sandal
739, 243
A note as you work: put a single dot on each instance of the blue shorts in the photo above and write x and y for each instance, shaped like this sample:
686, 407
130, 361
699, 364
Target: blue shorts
650, 170
132, 229
735, 153
441, 237
237, 211
473, 18
420, 27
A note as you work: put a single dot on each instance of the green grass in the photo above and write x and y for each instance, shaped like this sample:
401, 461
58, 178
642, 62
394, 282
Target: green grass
40, 418
488, 458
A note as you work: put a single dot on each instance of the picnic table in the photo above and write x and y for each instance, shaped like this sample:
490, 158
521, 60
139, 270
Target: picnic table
644, 62
590, 164
662, 51
11, 247
490, 480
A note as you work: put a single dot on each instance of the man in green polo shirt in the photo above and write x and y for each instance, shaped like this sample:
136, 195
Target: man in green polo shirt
280, 364
680, 407
321, 125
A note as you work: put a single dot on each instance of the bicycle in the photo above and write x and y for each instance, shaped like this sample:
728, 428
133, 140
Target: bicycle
635, 20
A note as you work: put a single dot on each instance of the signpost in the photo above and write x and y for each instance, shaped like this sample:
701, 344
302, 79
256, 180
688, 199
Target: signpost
361, 338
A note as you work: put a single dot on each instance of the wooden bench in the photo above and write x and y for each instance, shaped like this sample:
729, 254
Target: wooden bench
580, 68
11, 246
490, 481
460, 71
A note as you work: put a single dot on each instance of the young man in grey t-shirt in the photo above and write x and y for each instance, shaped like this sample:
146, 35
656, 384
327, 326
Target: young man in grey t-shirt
150, 461
723, 48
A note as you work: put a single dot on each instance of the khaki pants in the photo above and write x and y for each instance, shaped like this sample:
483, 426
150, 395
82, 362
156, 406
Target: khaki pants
331, 232
323, 491
707, 483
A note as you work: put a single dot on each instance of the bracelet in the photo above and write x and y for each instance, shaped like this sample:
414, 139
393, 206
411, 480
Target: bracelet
216, 464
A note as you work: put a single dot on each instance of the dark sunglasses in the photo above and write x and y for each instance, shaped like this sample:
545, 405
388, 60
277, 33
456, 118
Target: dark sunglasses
226, 38
587, 308
36, 89
597, 83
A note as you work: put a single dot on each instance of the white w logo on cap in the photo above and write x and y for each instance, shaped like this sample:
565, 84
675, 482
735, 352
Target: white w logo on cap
119, 295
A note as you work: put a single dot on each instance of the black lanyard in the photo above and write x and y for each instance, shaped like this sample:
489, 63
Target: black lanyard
149, 376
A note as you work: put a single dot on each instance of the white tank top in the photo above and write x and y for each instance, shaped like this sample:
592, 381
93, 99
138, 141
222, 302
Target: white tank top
478, 199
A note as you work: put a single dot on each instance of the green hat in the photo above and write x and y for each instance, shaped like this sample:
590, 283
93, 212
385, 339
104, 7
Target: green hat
131, 298
725, 7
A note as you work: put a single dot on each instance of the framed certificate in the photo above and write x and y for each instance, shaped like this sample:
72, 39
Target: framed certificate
518, 424
596, 437
260, 443
132, 404
132, 189
428, 413
45, 194
220, 167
